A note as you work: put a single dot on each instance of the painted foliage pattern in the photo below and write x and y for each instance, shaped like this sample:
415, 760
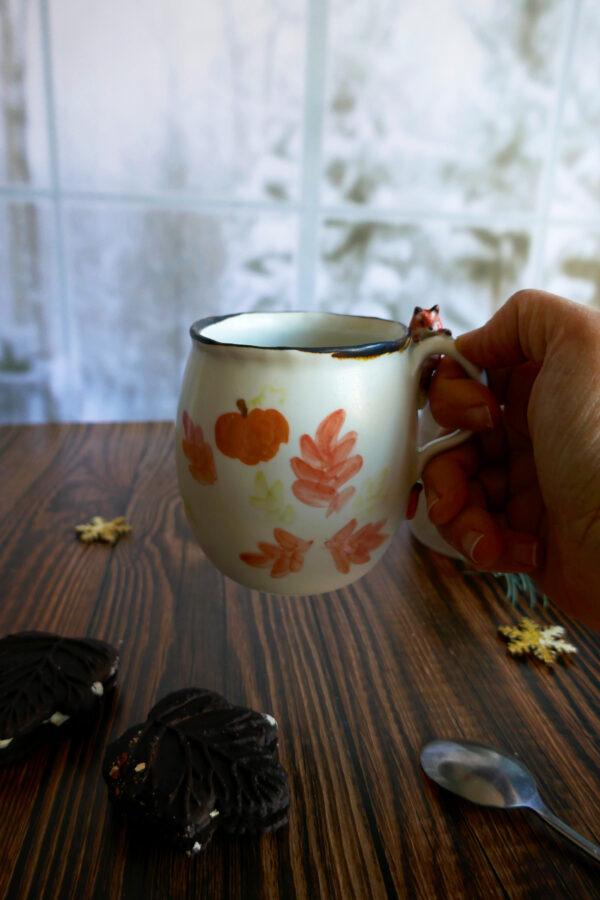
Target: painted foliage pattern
283, 557
327, 462
349, 547
270, 500
326, 465
198, 453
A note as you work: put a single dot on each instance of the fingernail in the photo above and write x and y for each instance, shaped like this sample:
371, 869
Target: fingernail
432, 498
478, 418
469, 544
526, 553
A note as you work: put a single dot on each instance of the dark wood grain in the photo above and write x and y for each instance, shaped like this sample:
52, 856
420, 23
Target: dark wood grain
358, 680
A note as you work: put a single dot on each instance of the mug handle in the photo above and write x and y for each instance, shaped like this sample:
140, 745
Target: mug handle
419, 353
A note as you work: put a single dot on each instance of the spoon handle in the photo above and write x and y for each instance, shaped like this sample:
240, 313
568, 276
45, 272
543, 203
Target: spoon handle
592, 849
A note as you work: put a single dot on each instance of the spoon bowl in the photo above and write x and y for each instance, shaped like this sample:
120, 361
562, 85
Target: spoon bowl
489, 777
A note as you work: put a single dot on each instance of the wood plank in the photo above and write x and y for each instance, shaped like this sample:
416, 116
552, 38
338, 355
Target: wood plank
358, 680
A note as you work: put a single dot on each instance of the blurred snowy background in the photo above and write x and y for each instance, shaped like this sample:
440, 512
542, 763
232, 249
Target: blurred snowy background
171, 159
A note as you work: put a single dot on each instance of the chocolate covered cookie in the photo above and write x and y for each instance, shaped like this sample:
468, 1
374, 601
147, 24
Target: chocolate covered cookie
45, 681
196, 764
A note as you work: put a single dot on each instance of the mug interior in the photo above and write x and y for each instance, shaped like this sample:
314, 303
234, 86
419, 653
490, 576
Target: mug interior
312, 331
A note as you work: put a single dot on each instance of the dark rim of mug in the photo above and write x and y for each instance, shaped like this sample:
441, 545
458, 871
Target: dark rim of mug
368, 349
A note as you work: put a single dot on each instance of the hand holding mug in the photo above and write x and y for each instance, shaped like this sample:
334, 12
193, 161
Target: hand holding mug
524, 495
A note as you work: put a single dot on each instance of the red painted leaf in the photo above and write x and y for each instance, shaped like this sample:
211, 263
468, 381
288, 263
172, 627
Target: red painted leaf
346, 470
198, 452
289, 541
326, 465
283, 558
304, 470
344, 447
339, 500
348, 547
259, 561
328, 430
268, 549
313, 493
310, 451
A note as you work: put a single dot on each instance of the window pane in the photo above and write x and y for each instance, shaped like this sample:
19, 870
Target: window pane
386, 269
161, 95
441, 104
23, 132
140, 277
31, 353
578, 174
573, 267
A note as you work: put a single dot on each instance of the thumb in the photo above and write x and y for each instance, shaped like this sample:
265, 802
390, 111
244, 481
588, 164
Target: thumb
529, 325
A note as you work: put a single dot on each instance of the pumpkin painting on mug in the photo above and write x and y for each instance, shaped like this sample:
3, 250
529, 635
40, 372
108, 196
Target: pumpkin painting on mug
251, 436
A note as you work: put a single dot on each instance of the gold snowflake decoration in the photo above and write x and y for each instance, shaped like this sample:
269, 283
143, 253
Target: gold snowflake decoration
545, 643
99, 529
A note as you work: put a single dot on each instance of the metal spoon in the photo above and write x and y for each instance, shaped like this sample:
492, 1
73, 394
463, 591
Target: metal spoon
486, 776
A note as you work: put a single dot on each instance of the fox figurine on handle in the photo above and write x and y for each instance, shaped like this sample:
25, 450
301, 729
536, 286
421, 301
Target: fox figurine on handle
425, 323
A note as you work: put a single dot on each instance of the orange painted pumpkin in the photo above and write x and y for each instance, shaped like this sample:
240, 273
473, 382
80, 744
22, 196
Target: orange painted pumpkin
251, 437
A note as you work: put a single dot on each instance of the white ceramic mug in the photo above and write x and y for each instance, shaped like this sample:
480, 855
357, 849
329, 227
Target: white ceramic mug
296, 443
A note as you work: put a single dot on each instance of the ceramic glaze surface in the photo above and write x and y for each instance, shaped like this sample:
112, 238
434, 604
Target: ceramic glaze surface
295, 465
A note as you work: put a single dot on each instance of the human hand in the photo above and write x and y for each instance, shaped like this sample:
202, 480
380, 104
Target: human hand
523, 495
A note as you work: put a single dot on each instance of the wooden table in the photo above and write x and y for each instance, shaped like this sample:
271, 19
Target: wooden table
358, 681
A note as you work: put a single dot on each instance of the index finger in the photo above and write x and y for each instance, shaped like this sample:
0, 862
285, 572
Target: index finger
460, 402
523, 330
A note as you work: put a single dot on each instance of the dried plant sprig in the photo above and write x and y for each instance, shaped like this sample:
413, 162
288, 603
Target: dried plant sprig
519, 583
515, 585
